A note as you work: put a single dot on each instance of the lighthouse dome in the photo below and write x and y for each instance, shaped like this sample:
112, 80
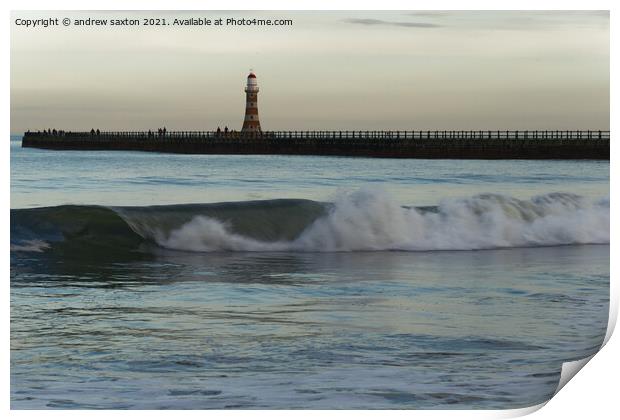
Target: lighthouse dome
252, 81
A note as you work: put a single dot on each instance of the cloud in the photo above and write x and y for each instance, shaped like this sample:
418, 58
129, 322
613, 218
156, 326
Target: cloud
430, 14
370, 22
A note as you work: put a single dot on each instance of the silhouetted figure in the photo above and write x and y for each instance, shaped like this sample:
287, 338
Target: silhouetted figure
150, 133
92, 131
98, 132
226, 130
164, 131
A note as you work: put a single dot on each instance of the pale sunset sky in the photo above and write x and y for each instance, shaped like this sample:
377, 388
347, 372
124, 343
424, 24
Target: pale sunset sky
377, 70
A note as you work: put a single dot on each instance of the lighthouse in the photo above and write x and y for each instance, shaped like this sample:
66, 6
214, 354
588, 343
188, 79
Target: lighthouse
251, 123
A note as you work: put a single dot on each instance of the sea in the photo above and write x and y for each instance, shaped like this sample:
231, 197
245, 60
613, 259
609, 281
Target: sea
166, 281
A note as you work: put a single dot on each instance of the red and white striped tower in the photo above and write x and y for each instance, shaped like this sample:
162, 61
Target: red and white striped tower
251, 123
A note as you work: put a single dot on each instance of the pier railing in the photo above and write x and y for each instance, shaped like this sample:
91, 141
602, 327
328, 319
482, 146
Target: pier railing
326, 135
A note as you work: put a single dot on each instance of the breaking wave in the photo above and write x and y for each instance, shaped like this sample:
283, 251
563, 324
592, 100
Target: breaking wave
365, 220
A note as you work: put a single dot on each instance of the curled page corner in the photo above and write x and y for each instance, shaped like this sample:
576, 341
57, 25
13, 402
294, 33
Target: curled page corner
569, 370
613, 314
520, 412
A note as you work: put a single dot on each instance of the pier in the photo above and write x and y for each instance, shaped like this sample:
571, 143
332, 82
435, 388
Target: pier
442, 144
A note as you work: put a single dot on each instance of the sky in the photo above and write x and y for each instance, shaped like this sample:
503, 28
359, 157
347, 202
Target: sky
348, 70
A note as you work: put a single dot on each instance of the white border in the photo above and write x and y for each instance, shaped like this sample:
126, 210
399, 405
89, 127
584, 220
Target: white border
592, 394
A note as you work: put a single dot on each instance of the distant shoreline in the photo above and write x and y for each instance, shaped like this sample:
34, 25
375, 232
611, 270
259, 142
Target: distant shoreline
537, 144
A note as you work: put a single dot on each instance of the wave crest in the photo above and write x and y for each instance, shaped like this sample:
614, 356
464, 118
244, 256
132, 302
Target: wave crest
371, 220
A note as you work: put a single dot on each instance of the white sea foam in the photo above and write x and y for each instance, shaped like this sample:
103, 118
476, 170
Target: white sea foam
34, 245
372, 220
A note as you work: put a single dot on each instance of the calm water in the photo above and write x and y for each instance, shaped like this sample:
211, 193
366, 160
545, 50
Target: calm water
301, 282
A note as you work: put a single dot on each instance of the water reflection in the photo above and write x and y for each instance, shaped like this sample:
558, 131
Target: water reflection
317, 330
